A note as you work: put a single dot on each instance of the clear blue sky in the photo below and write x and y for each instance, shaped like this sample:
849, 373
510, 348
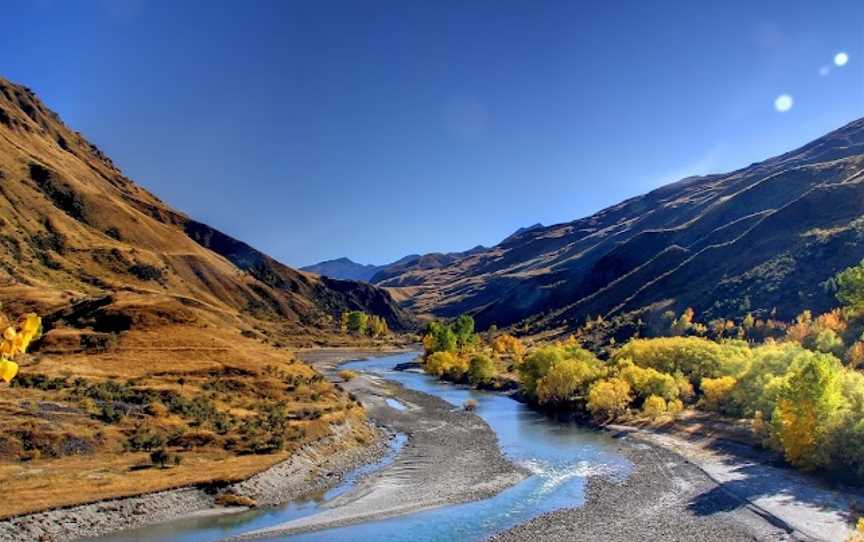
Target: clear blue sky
373, 129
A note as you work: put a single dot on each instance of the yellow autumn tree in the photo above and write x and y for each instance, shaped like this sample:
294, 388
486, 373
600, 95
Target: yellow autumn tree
609, 398
16, 340
510, 345
808, 403
654, 407
717, 392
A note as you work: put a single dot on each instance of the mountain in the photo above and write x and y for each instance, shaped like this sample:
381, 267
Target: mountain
156, 327
522, 230
72, 221
344, 268
761, 239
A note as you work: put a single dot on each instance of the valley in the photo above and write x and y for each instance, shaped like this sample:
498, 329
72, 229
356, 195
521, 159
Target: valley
685, 364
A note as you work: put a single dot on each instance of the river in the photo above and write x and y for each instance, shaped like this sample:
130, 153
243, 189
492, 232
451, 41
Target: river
559, 455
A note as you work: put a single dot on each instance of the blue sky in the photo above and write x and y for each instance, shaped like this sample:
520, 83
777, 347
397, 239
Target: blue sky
374, 129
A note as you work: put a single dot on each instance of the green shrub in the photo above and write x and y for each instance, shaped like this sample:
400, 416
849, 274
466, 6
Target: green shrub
481, 370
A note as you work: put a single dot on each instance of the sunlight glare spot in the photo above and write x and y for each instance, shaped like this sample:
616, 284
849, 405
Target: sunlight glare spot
841, 58
783, 103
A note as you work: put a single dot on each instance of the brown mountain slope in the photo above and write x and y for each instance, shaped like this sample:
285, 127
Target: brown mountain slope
759, 239
160, 332
72, 220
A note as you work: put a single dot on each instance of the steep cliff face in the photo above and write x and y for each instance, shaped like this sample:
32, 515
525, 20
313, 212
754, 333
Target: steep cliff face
761, 239
72, 221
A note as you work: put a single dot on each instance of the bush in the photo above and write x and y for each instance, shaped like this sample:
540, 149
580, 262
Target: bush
510, 345
566, 379
609, 398
470, 405
108, 414
717, 393
446, 364
807, 411
481, 370
694, 357
654, 407
539, 362
675, 406
144, 439
159, 457
347, 375
647, 381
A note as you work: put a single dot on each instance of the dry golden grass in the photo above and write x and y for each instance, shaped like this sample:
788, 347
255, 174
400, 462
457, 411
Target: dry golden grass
58, 449
43, 484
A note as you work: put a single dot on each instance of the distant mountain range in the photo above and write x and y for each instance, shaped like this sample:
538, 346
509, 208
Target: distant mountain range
762, 239
347, 269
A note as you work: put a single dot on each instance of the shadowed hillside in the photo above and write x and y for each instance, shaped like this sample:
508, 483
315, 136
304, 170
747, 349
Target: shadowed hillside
761, 239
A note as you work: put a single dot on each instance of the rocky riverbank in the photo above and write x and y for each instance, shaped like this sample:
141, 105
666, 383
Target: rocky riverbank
312, 470
426, 473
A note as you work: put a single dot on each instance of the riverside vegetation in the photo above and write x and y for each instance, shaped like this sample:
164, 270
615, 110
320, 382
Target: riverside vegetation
799, 384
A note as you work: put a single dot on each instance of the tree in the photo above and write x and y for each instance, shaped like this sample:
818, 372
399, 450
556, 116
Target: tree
648, 381
508, 344
16, 341
717, 392
747, 324
565, 380
807, 403
850, 286
463, 328
609, 398
439, 338
480, 369
654, 407
446, 364
357, 322
159, 457
377, 326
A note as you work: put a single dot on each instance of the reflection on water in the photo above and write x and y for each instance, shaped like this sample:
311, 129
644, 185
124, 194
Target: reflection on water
558, 455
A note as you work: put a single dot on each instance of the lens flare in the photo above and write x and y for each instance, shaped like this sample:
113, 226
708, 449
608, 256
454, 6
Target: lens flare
783, 103
840, 59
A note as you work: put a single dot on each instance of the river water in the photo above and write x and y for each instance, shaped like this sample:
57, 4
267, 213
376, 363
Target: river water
559, 456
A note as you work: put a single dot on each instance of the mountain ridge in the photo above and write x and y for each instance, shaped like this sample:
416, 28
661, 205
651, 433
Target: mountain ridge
679, 245
72, 220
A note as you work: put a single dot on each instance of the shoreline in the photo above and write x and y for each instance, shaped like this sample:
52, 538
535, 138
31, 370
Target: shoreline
755, 498
282, 483
684, 486
479, 471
